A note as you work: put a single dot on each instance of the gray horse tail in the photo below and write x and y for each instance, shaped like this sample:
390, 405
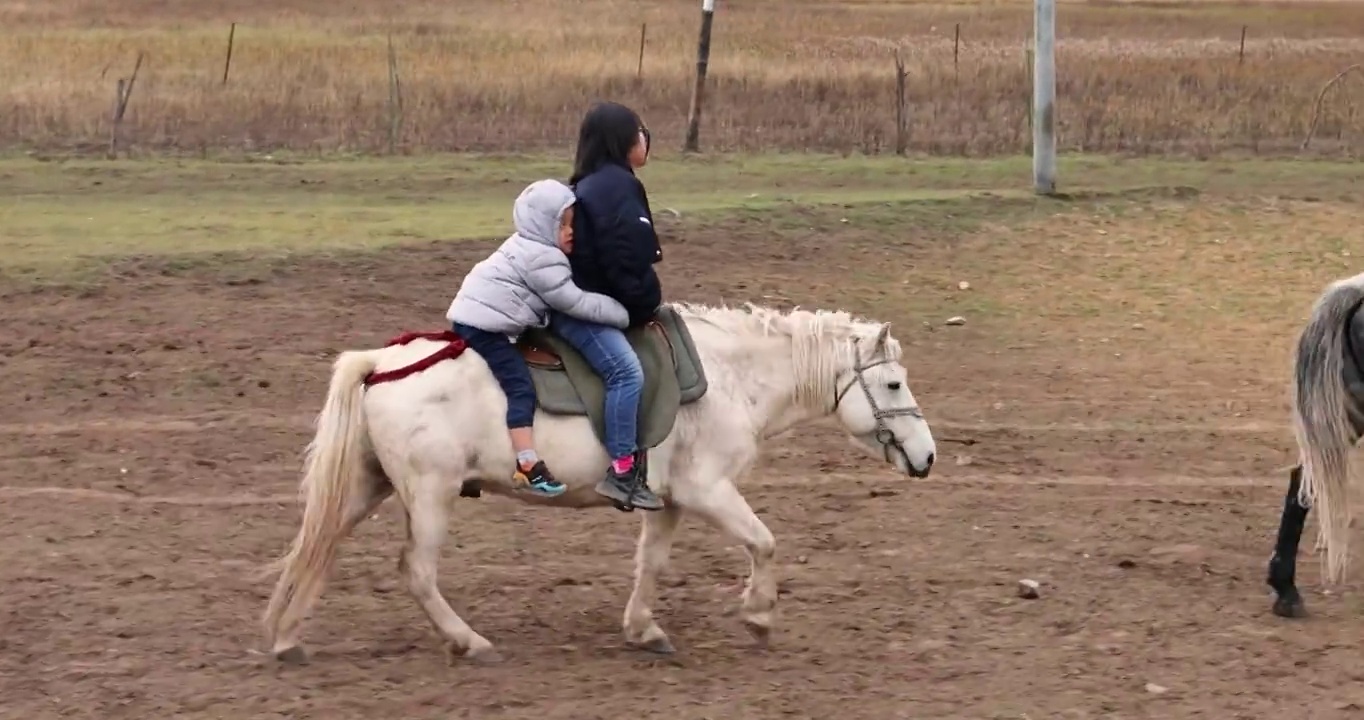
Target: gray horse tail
1321, 419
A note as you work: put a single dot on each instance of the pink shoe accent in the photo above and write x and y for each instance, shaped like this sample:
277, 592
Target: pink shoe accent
623, 465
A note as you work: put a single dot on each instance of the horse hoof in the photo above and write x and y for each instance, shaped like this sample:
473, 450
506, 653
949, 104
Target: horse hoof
658, 646
762, 634
295, 655
483, 656
1293, 609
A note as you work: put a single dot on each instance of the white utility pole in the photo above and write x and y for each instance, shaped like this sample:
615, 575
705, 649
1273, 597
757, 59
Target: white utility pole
1044, 97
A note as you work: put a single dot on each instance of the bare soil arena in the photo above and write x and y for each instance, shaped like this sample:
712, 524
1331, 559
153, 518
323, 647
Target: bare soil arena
1111, 420
151, 449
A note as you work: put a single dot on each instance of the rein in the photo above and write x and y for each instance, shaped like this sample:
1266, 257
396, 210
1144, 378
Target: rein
884, 435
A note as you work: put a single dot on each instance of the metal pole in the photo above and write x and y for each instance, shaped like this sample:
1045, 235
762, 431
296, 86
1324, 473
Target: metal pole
1044, 97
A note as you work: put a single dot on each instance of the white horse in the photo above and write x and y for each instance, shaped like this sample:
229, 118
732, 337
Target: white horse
424, 436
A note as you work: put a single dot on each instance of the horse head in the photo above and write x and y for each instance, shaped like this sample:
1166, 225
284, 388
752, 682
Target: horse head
877, 408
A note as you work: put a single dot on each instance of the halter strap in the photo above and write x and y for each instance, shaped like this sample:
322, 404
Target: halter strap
884, 435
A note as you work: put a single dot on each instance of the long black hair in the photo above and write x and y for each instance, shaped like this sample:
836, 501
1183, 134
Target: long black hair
608, 131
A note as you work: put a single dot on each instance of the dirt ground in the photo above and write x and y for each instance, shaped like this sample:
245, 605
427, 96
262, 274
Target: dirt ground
153, 428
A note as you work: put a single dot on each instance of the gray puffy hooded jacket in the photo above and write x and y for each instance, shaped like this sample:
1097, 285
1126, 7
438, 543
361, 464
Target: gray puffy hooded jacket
517, 286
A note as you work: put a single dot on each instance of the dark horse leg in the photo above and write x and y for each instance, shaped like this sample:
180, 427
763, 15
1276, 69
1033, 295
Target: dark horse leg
1283, 566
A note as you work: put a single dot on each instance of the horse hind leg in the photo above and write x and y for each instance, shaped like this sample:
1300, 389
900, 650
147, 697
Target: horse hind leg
427, 519
1283, 565
287, 635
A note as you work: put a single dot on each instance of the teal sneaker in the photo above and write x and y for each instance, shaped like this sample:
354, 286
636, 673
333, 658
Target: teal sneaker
538, 481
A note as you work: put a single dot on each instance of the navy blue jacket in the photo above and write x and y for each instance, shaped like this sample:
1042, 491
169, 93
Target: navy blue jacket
614, 242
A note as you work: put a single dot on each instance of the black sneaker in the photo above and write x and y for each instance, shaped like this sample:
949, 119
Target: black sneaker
628, 491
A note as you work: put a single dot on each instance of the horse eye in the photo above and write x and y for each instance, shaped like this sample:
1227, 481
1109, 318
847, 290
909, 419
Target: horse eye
893, 385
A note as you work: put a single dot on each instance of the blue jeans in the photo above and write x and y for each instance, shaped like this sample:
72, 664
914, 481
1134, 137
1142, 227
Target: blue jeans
609, 353
510, 369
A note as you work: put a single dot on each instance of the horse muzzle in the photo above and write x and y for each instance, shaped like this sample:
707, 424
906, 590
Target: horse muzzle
891, 446
916, 471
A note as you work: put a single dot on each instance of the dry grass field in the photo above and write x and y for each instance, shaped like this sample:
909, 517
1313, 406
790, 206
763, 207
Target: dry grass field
785, 74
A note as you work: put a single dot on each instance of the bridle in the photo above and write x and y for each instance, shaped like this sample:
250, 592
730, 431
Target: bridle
884, 435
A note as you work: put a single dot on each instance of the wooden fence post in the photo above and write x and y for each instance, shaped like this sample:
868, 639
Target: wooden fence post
123, 91
227, 64
901, 110
693, 141
395, 98
639, 70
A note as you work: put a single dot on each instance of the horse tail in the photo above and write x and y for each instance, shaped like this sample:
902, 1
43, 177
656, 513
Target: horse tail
1321, 419
333, 471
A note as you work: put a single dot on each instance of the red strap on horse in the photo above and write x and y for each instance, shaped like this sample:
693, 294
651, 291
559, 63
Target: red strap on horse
455, 346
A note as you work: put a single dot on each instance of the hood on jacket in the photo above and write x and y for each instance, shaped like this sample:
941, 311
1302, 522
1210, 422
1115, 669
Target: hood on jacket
539, 208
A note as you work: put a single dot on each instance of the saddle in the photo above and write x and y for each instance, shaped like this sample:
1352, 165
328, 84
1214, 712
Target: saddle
565, 384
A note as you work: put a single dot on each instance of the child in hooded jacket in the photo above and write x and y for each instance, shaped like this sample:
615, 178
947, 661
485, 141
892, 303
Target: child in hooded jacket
515, 289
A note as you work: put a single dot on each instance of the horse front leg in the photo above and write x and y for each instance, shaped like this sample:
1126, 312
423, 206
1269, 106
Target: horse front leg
721, 505
651, 556
1283, 565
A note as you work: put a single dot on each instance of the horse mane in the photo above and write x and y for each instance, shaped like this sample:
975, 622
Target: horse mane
821, 340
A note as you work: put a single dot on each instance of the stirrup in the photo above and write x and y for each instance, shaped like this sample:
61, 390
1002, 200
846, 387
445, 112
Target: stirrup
629, 506
638, 476
636, 479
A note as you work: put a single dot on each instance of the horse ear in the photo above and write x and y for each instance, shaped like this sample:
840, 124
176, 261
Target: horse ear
882, 335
